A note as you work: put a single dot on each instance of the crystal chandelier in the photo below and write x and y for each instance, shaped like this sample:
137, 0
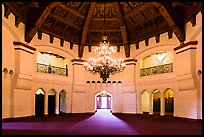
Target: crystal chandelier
104, 65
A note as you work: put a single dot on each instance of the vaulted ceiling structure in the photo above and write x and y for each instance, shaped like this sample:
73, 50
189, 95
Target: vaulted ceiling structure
83, 23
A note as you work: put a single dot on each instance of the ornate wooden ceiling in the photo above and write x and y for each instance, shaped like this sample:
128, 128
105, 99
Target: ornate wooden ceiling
83, 23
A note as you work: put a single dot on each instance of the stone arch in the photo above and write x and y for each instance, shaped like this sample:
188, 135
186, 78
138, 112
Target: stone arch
40, 91
11, 73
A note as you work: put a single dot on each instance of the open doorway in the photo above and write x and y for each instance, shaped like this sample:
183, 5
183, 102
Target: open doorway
39, 102
169, 102
51, 102
103, 101
156, 101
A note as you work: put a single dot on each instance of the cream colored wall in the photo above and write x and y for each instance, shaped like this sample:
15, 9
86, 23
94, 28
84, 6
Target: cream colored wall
24, 100
198, 36
49, 82
80, 96
124, 97
7, 54
159, 81
183, 108
6, 94
189, 83
9, 35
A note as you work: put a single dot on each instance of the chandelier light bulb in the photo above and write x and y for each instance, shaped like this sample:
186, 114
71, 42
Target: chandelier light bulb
104, 65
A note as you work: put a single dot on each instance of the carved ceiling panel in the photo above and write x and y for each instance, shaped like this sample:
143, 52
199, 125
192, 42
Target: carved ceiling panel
85, 22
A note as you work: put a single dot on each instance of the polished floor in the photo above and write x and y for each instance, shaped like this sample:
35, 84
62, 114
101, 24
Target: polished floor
103, 122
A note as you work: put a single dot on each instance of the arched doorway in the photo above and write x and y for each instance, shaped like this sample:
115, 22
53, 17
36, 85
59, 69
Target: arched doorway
62, 101
169, 102
103, 100
51, 102
145, 101
39, 102
156, 101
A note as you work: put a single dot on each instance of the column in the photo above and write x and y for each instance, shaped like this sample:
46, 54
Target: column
57, 103
46, 103
162, 104
185, 68
68, 106
150, 104
139, 105
24, 64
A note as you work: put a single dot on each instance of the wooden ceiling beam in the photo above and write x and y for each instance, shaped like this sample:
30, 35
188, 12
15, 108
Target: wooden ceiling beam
14, 9
67, 22
123, 28
181, 4
7, 12
109, 30
85, 29
102, 19
134, 11
149, 33
34, 24
35, 4
138, 22
170, 19
48, 32
72, 10
114, 43
197, 6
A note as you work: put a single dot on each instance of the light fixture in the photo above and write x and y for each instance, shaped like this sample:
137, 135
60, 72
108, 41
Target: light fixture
104, 65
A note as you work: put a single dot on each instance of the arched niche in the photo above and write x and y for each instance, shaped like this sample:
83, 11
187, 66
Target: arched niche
5, 70
62, 101
145, 101
39, 102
